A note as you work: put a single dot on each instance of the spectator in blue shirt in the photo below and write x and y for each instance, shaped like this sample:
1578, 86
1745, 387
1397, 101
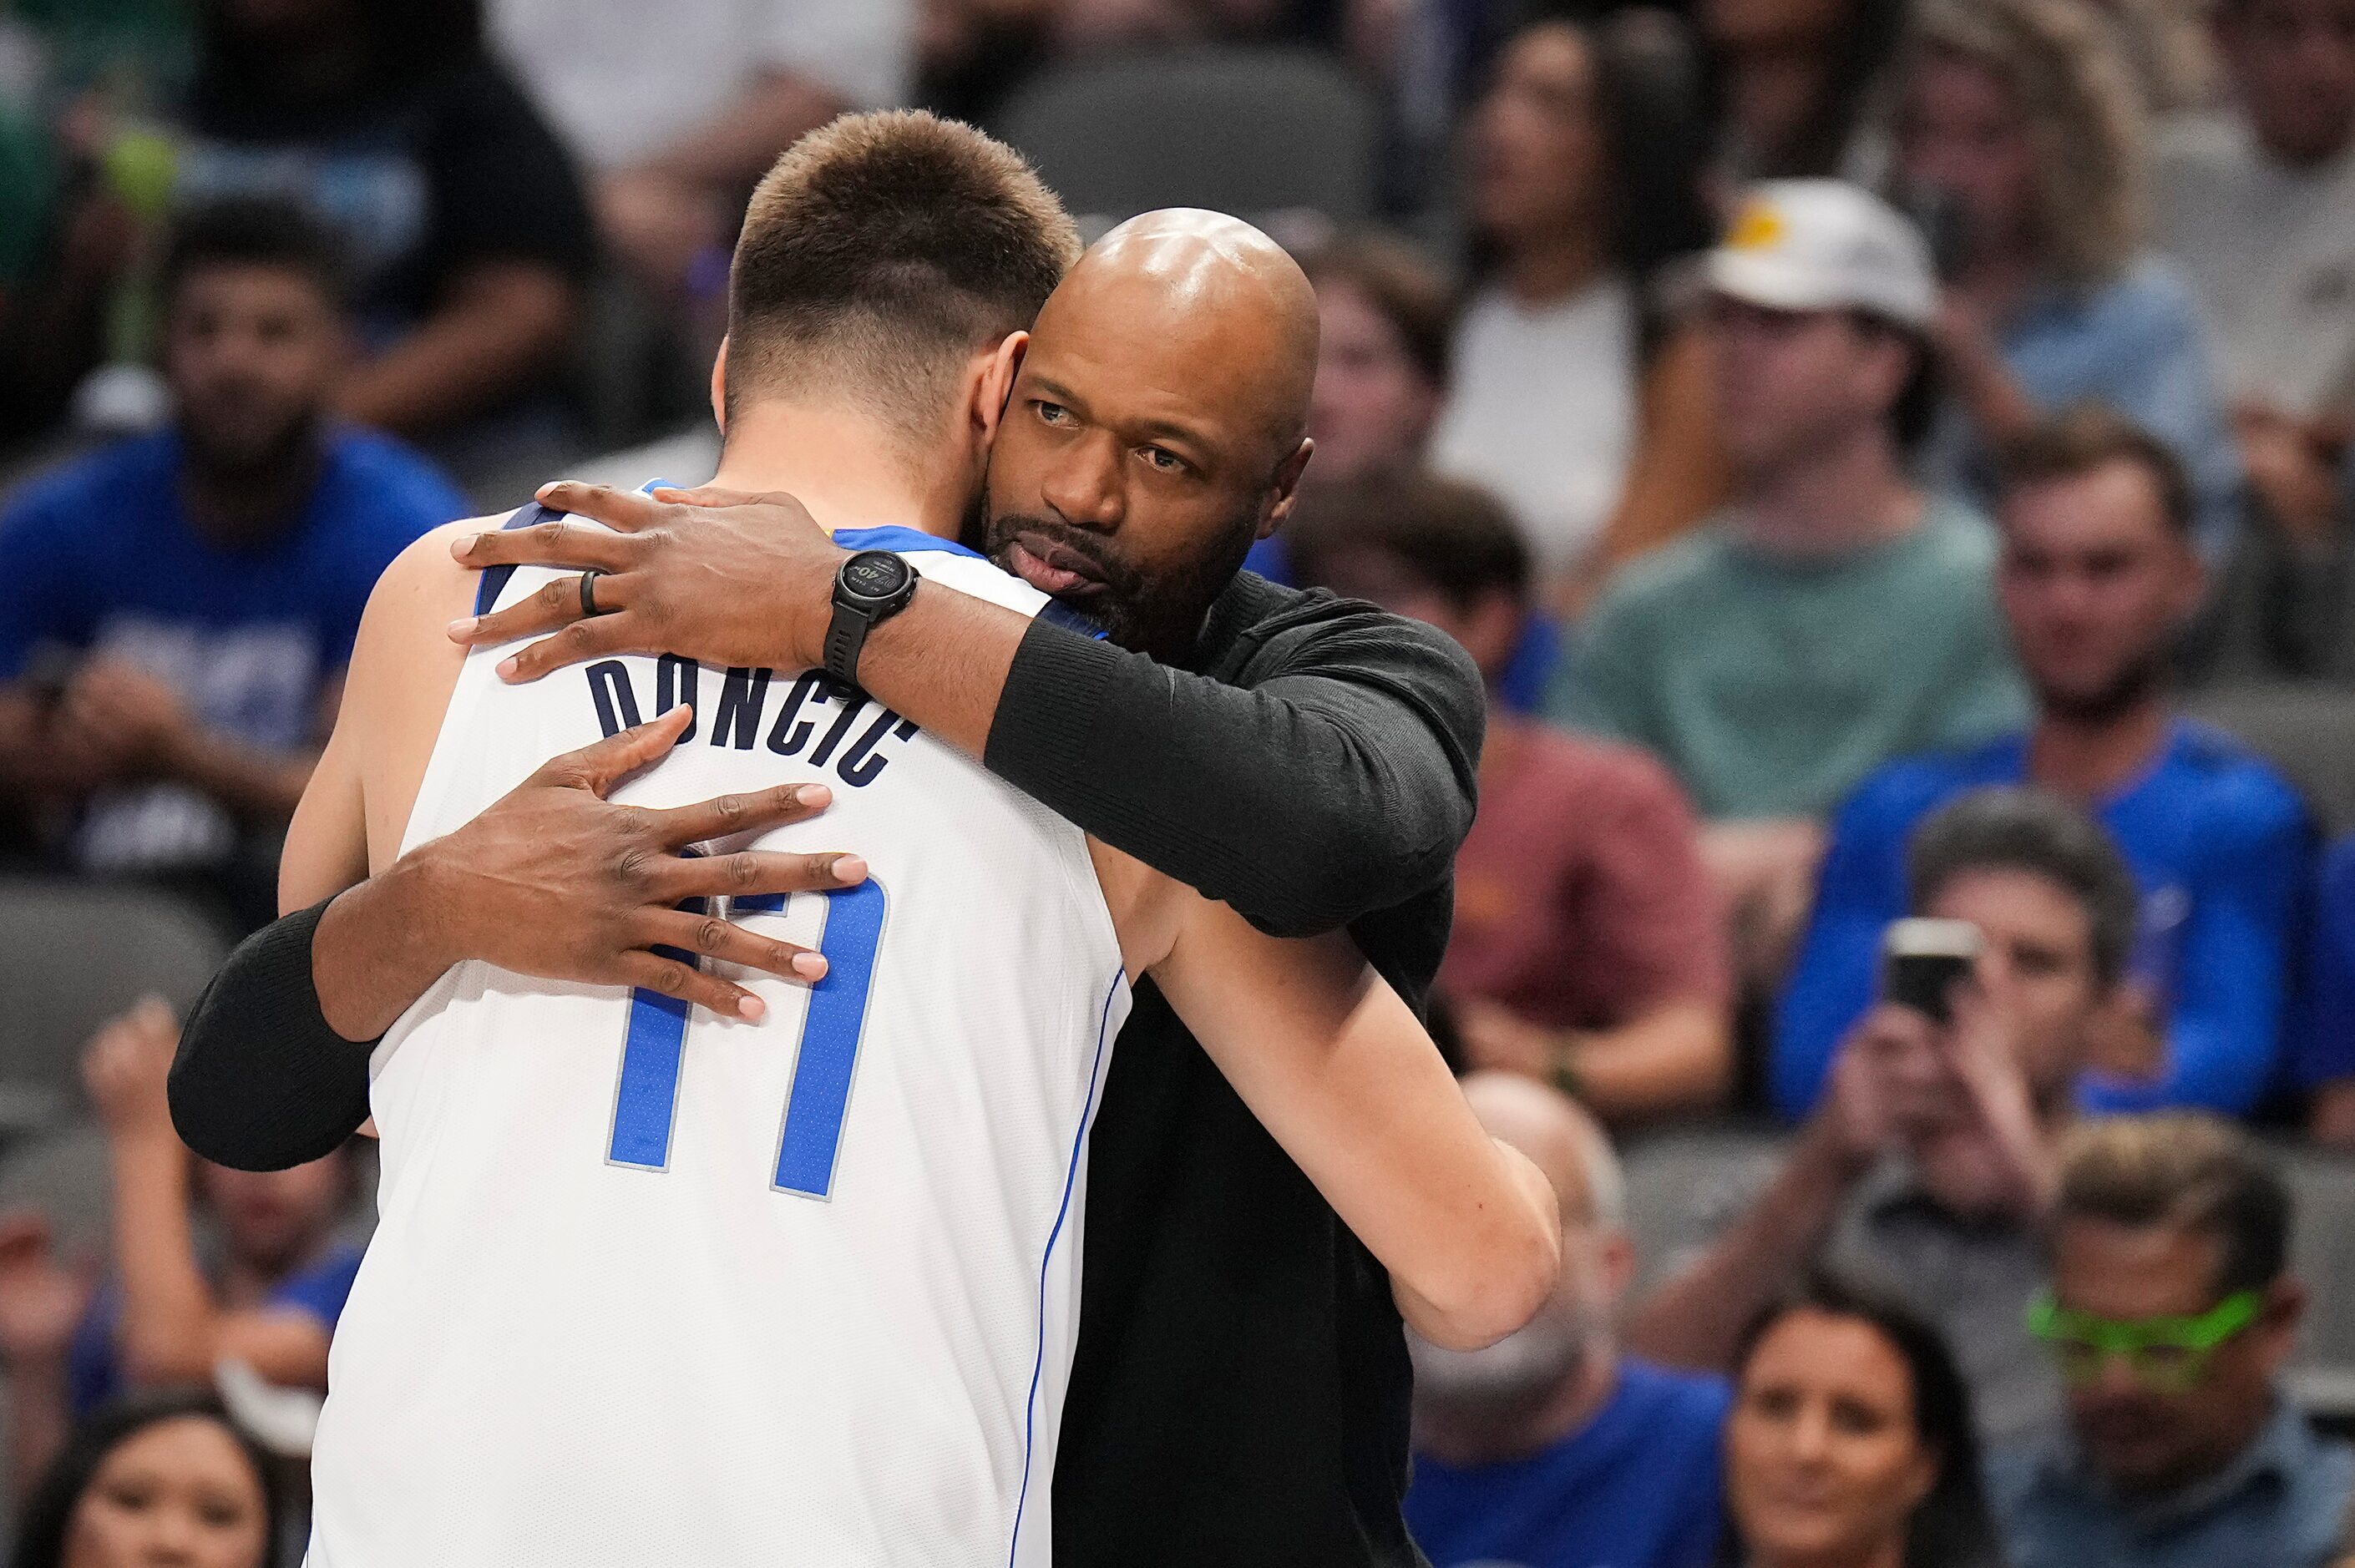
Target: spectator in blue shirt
175, 612
2324, 1061
1550, 1449
2096, 576
2019, 132
2170, 1317
173, 1308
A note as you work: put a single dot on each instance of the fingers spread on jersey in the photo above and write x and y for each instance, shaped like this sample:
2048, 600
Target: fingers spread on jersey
555, 604
562, 542
628, 510
602, 765
650, 971
752, 813
749, 873
618, 631
730, 943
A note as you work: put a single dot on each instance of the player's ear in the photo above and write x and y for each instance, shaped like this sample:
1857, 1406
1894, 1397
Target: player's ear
996, 385
719, 387
1284, 490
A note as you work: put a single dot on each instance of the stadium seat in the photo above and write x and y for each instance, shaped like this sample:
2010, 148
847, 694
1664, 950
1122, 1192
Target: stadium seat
1687, 1184
1254, 131
2307, 729
73, 955
2322, 1249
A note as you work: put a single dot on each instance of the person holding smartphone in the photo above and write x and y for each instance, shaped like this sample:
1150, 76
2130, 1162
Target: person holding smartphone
1932, 1158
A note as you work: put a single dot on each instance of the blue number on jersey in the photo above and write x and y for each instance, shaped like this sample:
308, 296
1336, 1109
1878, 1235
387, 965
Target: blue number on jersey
646, 1100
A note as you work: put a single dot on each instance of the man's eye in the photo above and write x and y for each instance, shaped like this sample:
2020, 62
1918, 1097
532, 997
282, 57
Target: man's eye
1163, 459
1051, 413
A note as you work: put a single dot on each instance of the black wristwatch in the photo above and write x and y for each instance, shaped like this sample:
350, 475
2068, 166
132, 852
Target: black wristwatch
872, 587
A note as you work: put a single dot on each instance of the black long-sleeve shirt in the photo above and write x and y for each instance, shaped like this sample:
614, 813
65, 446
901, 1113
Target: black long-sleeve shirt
1239, 1394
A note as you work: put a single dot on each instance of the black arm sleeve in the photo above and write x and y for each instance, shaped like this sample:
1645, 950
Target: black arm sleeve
1322, 770
261, 1081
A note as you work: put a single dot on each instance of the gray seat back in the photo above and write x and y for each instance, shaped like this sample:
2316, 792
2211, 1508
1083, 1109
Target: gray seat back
1253, 132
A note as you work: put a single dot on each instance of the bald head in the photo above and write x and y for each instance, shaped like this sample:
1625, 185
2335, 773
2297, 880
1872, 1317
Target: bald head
1565, 1142
1236, 312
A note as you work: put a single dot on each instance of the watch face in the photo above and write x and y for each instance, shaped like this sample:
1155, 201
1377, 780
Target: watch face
874, 573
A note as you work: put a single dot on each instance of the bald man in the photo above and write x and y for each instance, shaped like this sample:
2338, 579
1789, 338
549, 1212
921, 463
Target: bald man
1240, 1390
1550, 1448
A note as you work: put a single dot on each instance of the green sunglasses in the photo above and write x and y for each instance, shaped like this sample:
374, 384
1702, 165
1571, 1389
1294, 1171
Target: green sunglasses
2167, 1355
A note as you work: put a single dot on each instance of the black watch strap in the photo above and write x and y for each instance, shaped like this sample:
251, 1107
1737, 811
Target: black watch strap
872, 587
844, 639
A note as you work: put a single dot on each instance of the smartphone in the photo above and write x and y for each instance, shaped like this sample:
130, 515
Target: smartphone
1922, 959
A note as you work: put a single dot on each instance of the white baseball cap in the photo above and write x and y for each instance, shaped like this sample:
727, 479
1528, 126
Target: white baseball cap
1825, 245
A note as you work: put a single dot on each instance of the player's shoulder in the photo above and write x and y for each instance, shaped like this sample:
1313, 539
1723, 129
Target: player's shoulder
426, 579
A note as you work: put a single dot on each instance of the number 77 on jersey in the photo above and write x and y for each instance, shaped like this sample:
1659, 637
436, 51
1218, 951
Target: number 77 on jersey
645, 1098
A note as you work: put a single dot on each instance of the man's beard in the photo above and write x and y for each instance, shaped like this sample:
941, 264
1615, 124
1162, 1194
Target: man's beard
1161, 616
232, 461
1512, 1378
2120, 695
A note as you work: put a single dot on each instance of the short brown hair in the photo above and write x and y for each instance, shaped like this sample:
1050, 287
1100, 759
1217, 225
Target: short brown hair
2015, 828
2084, 437
2182, 1169
1454, 537
1403, 286
880, 253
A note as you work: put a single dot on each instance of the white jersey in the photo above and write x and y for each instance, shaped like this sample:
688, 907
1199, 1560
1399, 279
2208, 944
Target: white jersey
650, 1288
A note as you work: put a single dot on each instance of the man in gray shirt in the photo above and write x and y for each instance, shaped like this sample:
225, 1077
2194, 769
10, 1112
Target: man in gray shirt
1932, 1157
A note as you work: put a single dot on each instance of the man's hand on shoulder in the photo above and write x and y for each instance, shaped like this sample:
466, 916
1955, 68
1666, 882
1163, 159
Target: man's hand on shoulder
716, 575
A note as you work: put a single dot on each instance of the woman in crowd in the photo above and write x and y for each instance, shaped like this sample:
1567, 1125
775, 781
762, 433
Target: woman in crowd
1849, 1444
2020, 139
1794, 84
1584, 180
162, 1478
1383, 316
174, 1306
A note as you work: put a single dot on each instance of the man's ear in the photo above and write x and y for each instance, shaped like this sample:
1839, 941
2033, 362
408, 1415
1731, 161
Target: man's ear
1617, 1256
2279, 1318
1283, 491
720, 388
994, 386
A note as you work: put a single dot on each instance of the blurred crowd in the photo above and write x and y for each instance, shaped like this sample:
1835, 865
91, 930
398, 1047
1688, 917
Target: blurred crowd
1854, 439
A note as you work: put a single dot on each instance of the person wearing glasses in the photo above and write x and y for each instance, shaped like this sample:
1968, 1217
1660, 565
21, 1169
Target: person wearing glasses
2170, 1314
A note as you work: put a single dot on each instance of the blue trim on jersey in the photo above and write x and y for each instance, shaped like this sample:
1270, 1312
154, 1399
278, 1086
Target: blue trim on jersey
899, 541
496, 578
1058, 613
1070, 1177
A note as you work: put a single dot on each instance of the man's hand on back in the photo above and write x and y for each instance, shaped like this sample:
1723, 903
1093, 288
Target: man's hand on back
557, 881
715, 576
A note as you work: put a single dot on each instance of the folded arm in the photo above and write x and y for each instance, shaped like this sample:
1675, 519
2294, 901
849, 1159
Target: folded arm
1338, 1071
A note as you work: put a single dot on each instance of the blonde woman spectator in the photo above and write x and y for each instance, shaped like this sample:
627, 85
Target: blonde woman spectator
2019, 128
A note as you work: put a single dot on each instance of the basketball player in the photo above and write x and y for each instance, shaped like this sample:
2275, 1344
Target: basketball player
795, 1285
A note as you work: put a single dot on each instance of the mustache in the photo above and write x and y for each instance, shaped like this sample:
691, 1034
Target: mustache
1119, 575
